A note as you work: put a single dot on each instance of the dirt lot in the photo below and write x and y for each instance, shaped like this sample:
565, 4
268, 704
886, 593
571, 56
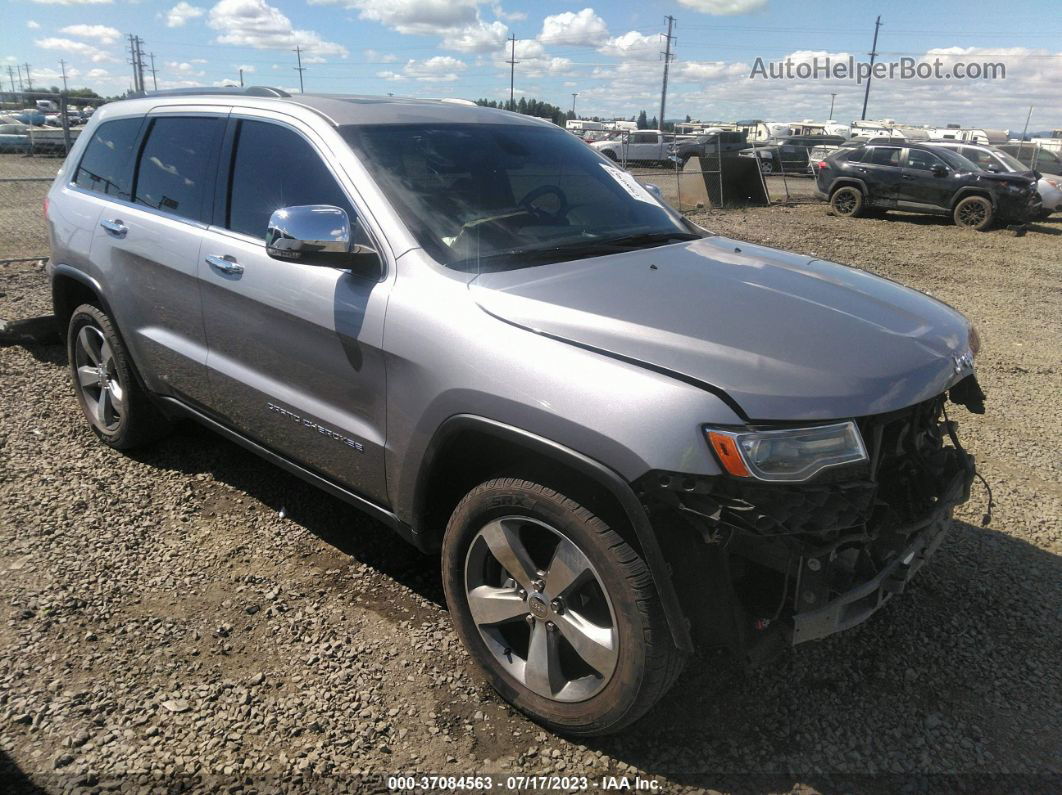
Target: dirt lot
190, 611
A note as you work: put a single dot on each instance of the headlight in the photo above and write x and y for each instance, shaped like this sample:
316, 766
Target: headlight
793, 454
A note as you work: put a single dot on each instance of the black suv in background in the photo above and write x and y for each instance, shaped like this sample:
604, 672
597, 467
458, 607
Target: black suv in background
789, 155
725, 142
923, 179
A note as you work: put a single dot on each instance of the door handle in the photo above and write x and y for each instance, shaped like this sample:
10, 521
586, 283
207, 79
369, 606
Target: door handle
114, 227
224, 264
907, 176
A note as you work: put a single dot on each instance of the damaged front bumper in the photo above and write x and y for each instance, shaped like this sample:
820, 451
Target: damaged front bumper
862, 601
791, 563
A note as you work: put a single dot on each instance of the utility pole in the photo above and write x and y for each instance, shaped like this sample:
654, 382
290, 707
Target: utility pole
667, 63
574, 95
137, 77
11, 77
62, 67
833, 98
241, 77
512, 73
873, 55
154, 73
300, 68
140, 63
29, 81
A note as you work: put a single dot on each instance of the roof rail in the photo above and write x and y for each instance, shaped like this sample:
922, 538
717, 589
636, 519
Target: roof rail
248, 91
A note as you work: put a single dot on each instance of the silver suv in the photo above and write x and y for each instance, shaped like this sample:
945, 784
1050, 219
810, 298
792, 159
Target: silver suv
626, 436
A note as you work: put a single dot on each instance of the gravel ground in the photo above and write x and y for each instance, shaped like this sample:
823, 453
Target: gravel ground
192, 612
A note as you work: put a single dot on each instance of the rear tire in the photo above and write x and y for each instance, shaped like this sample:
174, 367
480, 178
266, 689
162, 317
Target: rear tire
847, 202
973, 212
117, 408
586, 658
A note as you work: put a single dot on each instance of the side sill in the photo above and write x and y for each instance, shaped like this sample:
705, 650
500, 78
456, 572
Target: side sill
377, 512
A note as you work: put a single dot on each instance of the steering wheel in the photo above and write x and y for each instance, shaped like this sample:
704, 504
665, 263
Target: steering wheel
545, 190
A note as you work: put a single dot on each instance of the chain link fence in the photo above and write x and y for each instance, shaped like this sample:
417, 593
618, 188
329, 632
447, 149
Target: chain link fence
37, 129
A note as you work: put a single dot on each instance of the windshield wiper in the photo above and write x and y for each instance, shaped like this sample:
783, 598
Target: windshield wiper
580, 248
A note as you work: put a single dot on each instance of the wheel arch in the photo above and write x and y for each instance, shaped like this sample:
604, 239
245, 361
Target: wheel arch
847, 182
70, 289
966, 193
468, 449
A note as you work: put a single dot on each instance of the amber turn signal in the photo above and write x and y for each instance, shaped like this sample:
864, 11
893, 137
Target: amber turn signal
726, 451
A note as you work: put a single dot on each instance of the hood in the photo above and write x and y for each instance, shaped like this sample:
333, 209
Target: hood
786, 337
1024, 179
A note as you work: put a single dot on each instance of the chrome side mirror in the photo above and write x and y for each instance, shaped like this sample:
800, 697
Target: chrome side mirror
313, 234
939, 170
654, 191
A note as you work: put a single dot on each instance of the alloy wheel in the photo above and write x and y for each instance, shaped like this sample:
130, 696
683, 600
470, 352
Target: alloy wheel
972, 214
541, 608
97, 379
845, 203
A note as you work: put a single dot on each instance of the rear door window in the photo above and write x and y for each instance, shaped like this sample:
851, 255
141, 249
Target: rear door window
177, 166
884, 156
275, 167
922, 160
107, 165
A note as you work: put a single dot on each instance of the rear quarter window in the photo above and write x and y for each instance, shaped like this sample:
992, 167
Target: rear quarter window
107, 165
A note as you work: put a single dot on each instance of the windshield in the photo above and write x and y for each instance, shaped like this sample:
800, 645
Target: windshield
501, 196
1012, 162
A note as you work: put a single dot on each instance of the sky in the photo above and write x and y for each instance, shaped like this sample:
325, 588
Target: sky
607, 52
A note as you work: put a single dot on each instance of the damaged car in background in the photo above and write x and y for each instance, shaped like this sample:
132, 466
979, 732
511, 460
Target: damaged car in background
623, 436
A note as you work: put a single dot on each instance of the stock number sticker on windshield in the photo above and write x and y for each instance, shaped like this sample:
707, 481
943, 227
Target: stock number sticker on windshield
630, 184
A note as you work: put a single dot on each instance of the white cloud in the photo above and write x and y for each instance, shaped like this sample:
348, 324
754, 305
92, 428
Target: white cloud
184, 69
255, 23
78, 48
694, 71
177, 16
507, 16
534, 60
579, 29
419, 17
102, 33
96, 74
438, 69
375, 56
633, 45
248, 68
32, 25
478, 37
72, 2
724, 7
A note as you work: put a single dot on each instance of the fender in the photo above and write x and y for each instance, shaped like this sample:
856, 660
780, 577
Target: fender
71, 272
604, 476
840, 182
963, 193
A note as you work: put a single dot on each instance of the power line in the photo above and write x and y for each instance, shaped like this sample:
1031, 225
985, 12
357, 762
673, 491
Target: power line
512, 73
873, 55
29, 80
62, 67
154, 73
667, 64
300, 68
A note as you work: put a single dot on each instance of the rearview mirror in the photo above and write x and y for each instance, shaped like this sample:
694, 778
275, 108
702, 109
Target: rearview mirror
939, 170
314, 234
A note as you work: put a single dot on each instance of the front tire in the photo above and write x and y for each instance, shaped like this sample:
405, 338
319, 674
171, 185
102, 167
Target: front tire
973, 212
116, 407
556, 608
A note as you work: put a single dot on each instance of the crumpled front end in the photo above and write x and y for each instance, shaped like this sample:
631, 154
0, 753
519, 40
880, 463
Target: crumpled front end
805, 560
